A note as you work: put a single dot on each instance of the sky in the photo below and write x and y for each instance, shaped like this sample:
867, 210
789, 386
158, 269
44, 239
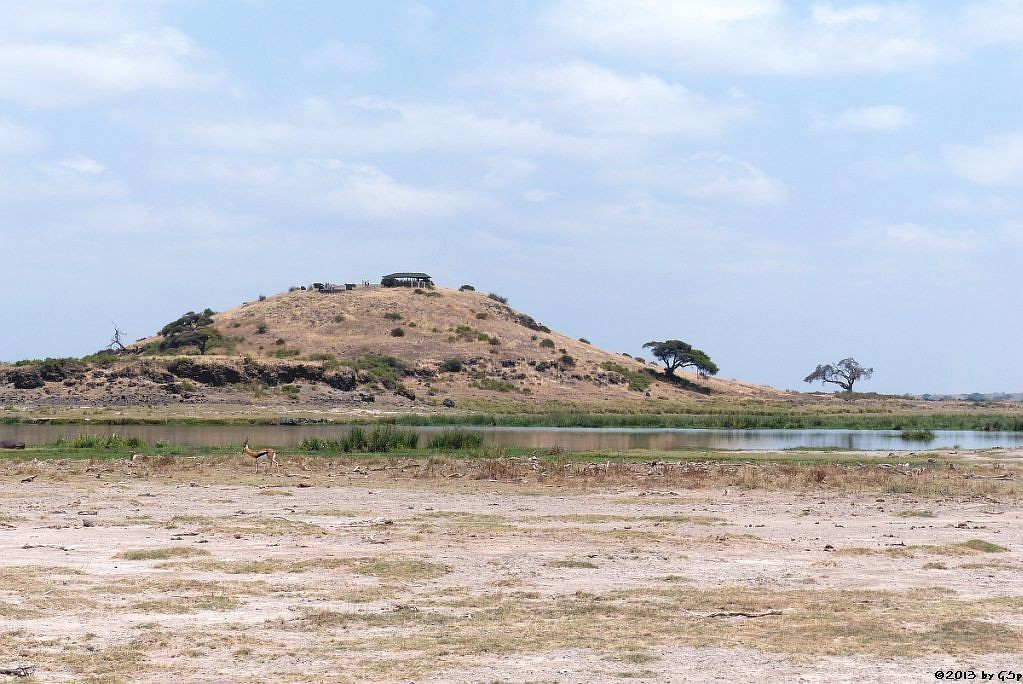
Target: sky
780, 184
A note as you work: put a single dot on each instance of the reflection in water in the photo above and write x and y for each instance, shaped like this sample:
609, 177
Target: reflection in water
572, 439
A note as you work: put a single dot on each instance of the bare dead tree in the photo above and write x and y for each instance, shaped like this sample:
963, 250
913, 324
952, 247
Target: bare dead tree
845, 373
116, 342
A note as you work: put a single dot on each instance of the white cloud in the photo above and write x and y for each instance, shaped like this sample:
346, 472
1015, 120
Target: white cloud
366, 191
82, 164
916, 237
368, 126
992, 22
998, 160
416, 24
338, 55
752, 36
197, 221
59, 54
55, 75
322, 187
68, 18
964, 203
828, 15
707, 176
593, 99
538, 195
874, 119
62, 183
720, 177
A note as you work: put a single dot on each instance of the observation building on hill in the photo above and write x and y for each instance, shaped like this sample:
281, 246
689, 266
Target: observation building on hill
407, 280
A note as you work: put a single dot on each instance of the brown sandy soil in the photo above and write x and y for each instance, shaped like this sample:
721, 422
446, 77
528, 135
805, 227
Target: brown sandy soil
442, 570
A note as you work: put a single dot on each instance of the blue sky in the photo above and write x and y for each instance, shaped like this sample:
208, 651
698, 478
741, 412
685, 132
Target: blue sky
780, 184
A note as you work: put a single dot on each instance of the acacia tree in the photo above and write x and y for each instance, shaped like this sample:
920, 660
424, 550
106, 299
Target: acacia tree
676, 354
192, 329
702, 363
845, 373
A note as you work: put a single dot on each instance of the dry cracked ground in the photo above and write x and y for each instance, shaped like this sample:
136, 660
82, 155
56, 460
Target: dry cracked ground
449, 571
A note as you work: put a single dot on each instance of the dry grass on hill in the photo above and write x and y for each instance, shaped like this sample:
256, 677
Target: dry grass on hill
441, 324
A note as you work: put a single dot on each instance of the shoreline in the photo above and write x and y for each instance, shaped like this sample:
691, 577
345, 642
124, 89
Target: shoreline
761, 420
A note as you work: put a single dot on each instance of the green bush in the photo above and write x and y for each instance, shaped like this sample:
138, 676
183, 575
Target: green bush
467, 288
339, 318
498, 298
397, 332
484, 383
355, 440
456, 439
451, 365
482, 315
381, 439
261, 329
584, 340
103, 358
638, 382
392, 316
567, 360
384, 438
386, 369
262, 298
547, 343
112, 441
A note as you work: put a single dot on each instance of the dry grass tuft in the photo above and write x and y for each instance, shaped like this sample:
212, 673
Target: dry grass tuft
276, 526
400, 569
187, 604
572, 563
269, 566
162, 554
970, 547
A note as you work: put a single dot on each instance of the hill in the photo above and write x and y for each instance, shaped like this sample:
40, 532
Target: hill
395, 347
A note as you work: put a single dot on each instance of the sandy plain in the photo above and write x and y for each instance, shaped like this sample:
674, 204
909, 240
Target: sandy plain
541, 569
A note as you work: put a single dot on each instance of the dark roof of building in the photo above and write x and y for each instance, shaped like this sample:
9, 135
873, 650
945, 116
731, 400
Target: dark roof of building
417, 276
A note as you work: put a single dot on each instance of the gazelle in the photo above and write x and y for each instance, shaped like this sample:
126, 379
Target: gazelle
269, 455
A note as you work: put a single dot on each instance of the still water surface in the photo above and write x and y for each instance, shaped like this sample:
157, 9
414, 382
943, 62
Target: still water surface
572, 439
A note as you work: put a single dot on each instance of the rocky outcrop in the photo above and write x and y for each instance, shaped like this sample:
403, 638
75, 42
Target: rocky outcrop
27, 377
222, 373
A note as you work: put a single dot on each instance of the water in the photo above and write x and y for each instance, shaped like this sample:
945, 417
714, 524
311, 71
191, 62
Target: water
572, 439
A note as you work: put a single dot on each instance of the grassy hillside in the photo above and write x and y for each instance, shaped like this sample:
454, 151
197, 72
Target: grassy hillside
436, 331
395, 348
